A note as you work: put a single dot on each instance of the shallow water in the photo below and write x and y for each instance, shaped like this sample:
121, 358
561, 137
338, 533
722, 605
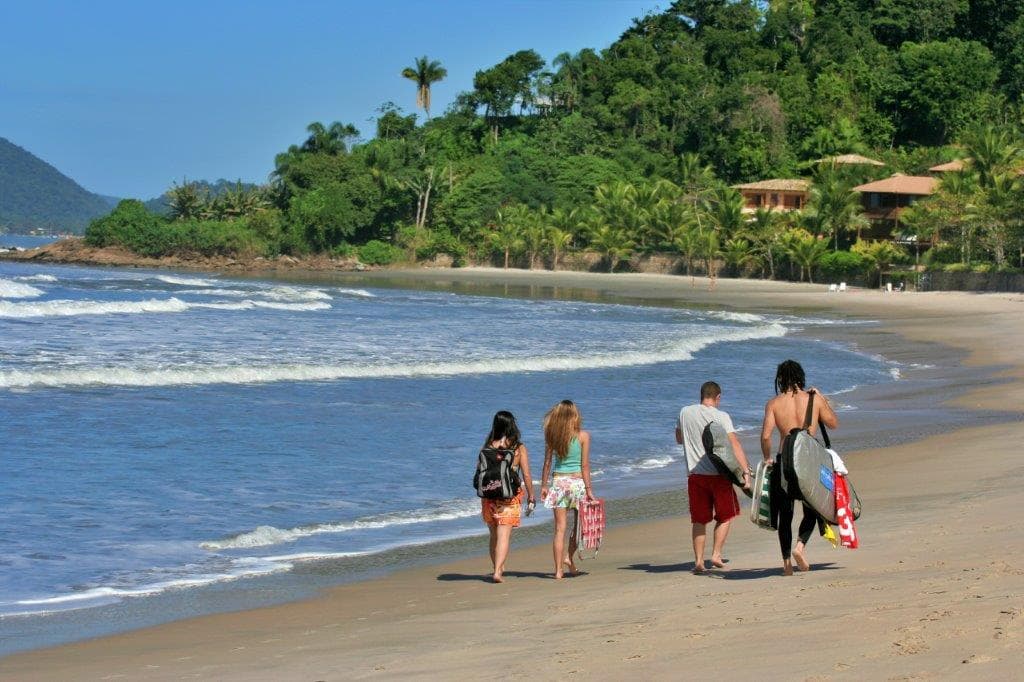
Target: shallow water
168, 431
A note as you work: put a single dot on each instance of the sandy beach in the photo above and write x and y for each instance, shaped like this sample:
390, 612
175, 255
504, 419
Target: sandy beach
935, 591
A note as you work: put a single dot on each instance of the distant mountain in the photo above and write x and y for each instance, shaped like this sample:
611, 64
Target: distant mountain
34, 194
160, 206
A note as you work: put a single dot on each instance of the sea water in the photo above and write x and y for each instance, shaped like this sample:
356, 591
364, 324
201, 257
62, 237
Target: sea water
162, 431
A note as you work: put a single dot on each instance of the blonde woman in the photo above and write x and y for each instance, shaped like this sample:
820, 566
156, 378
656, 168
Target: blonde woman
567, 462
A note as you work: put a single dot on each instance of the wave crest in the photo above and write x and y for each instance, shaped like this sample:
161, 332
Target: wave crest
10, 289
264, 536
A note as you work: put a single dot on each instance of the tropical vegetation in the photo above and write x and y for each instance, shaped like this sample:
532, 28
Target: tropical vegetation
603, 158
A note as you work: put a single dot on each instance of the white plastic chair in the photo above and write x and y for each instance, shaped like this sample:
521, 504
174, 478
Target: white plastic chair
842, 286
832, 288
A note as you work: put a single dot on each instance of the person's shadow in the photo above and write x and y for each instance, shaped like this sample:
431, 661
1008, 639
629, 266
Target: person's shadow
457, 577
722, 573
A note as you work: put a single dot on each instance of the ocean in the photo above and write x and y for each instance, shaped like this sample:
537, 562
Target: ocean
164, 431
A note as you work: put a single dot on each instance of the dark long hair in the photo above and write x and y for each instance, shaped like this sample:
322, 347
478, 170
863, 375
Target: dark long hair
504, 426
789, 376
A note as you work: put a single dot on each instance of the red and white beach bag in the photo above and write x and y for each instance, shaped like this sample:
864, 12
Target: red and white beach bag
590, 522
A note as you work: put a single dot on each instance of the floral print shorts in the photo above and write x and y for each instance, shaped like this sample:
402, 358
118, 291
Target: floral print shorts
565, 492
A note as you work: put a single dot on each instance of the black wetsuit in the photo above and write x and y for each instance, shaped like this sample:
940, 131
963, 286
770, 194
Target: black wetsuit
782, 513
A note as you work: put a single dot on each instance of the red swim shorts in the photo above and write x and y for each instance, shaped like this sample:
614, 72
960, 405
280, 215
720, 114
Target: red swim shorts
711, 497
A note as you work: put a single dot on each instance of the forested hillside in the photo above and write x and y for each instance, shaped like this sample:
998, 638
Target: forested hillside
633, 149
34, 194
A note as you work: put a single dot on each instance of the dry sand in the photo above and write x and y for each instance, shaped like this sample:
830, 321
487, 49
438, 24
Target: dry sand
935, 591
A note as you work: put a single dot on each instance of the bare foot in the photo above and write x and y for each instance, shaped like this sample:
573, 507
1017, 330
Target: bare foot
718, 562
558, 575
698, 569
801, 562
497, 578
571, 567
787, 567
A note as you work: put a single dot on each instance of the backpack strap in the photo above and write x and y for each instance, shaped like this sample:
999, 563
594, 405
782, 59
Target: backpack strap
810, 415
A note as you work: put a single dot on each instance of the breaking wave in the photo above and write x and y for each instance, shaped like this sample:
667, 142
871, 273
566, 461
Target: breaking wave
264, 536
171, 305
9, 289
154, 376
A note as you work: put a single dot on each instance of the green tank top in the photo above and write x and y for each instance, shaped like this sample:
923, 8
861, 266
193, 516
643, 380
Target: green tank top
573, 461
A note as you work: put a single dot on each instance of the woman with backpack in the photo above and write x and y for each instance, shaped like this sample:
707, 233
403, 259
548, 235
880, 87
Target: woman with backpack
787, 411
567, 461
502, 515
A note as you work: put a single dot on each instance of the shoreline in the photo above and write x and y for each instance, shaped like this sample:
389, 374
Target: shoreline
915, 316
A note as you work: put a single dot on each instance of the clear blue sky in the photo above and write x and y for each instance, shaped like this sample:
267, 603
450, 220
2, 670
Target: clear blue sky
127, 97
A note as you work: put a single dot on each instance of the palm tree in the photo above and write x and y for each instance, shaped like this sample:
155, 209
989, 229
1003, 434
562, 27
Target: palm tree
328, 139
534, 235
834, 205
506, 237
567, 220
738, 253
566, 80
558, 240
764, 232
424, 74
708, 247
688, 244
806, 250
727, 212
188, 200
612, 243
991, 151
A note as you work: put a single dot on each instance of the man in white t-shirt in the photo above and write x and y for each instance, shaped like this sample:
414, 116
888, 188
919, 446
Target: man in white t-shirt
711, 494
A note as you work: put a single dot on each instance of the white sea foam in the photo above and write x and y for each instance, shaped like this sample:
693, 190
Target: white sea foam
65, 308
361, 293
295, 294
186, 281
681, 351
37, 278
273, 293
655, 463
98, 596
10, 289
737, 317
264, 536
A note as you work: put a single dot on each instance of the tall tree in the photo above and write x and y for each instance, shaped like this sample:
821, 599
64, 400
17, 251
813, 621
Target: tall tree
424, 73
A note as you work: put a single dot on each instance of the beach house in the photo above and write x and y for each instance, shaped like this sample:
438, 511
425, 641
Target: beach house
885, 200
780, 194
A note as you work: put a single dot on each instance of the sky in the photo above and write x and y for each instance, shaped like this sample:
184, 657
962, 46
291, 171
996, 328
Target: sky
127, 97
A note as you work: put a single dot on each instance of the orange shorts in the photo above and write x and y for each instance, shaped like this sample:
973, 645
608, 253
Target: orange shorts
503, 512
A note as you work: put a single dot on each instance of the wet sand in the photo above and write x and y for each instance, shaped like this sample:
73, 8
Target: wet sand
936, 589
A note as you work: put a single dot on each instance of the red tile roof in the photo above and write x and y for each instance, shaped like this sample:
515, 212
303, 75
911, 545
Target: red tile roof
778, 185
902, 184
850, 160
950, 167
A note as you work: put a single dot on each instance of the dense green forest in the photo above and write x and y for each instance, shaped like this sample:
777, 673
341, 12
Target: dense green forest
34, 194
601, 156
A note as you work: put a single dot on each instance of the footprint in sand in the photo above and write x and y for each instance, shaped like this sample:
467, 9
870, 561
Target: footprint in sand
909, 646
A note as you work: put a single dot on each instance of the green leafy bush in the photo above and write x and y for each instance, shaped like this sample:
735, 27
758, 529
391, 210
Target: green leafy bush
343, 250
376, 252
842, 264
441, 241
957, 267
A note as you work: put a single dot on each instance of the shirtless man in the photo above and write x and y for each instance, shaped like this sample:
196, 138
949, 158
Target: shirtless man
783, 413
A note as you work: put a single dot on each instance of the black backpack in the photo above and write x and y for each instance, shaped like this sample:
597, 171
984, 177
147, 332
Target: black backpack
495, 478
